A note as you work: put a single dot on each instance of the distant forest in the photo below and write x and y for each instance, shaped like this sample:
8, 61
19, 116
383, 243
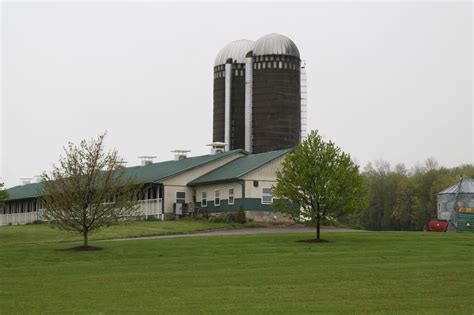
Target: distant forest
402, 199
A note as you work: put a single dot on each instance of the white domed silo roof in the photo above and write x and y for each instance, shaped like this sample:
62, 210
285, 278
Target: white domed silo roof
275, 44
235, 50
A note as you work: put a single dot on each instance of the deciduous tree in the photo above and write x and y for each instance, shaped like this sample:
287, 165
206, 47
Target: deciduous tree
88, 189
318, 179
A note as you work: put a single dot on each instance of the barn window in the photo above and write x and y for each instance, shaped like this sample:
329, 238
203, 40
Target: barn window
267, 197
180, 197
231, 196
217, 198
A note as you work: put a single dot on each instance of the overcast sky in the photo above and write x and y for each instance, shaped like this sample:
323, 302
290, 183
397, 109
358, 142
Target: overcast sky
388, 81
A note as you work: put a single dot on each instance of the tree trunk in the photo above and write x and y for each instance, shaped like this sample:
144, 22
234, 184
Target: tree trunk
86, 238
318, 223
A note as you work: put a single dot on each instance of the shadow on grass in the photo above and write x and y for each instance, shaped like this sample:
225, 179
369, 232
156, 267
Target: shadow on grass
80, 249
313, 241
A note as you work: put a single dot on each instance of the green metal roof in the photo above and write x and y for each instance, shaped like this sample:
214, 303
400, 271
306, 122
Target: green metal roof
24, 191
157, 172
238, 167
153, 173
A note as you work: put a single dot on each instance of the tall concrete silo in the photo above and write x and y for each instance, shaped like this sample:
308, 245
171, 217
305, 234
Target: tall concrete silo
259, 95
229, 94
276, 94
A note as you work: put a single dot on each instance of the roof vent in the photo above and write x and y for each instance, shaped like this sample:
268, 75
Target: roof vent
122, 164
147, 159
26, 180
217, 147
180, 154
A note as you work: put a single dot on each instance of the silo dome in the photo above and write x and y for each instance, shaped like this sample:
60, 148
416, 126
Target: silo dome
235, 50
258, 95
275, 44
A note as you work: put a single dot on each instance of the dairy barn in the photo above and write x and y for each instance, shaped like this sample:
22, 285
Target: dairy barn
259, 115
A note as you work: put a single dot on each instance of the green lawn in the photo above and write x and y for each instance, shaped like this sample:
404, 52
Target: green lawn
380, 272
45, 232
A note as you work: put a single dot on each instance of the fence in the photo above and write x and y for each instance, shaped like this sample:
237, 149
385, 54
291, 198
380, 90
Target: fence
146, 208
150, 207
19, 218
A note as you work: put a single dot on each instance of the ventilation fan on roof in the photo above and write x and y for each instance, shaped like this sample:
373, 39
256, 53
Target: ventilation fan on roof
180, 154
217, 147
26, 180
147, 159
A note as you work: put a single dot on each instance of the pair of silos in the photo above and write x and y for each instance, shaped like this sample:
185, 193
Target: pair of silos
258, 95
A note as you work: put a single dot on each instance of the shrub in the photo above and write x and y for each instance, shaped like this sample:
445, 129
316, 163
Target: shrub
220, 219
239, 217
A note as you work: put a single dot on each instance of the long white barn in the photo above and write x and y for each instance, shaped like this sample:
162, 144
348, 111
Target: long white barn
214, 183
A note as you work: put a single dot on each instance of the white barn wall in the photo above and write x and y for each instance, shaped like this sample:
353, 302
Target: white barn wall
170, 196
178, 183
223, 190
266, 176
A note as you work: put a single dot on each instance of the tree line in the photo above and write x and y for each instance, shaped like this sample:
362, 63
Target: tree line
402, 199
321, 182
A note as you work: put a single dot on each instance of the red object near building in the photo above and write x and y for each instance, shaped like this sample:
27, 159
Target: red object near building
437, 226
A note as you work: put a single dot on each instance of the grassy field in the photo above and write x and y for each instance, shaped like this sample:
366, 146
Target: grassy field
46, 233
382, 272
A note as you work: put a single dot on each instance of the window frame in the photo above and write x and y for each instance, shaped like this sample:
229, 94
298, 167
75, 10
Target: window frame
217, 196
184, 199
267, 195
233, 196
203, 197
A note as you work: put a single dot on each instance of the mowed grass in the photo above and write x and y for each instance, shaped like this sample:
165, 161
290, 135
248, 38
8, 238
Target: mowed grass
395, 273
47, 233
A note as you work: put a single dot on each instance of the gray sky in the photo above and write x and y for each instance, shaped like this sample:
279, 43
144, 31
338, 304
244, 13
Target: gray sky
386, 80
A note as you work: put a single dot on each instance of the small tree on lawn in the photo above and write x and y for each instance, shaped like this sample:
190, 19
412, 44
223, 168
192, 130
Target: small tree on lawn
316, 179
88, 189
